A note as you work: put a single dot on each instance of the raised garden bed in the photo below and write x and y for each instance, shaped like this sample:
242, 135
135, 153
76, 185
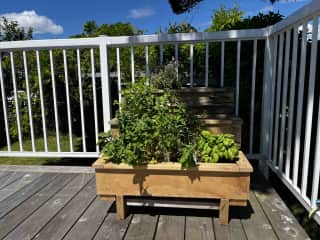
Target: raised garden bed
227, 182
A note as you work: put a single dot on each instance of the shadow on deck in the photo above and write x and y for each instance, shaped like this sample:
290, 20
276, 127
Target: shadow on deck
61, 203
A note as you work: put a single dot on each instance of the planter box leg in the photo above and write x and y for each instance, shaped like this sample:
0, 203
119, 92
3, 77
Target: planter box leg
121, 207
224, 211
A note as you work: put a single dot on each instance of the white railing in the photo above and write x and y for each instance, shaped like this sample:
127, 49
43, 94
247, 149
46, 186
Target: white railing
294, 130
99, 48
78, 73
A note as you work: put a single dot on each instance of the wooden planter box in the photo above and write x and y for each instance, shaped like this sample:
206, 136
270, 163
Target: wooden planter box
227, 182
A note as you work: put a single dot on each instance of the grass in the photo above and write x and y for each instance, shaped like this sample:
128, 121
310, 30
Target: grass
52, 146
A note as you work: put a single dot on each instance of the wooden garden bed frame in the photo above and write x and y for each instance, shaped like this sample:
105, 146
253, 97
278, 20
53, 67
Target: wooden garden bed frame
227, 182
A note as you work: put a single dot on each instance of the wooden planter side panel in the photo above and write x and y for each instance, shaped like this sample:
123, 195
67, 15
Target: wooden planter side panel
220, 181
173, 184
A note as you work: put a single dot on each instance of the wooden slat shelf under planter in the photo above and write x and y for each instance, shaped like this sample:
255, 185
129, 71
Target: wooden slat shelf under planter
227, 182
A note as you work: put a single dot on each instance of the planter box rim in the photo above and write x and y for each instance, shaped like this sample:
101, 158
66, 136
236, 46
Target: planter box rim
241, 166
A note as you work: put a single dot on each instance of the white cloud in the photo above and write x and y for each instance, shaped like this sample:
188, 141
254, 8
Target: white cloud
140, 13
39, 24
267, 9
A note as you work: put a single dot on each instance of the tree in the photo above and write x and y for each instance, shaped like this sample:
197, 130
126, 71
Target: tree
89, 27
182, 6
225, 19
10, 31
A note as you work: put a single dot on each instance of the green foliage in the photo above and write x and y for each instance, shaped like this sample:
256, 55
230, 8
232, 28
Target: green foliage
261, 20
10, 31
183, 27
225, 19
216, 147
152, 126
92, 29
187, 159
166, 78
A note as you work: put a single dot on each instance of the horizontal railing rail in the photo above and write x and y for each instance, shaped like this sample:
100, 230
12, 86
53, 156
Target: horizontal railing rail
154, 39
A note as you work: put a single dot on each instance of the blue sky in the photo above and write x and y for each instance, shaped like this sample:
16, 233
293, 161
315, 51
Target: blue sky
62, 18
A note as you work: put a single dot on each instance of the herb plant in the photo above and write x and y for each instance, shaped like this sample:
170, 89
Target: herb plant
216, 147
151, 126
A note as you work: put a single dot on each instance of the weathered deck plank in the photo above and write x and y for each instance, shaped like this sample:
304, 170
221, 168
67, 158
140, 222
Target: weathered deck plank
170, 227
18, 197
283, 222
142, 227
32, 225
20, 213
199, 228
65, 219
233, 231
9, 178
257, 225
17, 185
3, 174
112, 228
89, 223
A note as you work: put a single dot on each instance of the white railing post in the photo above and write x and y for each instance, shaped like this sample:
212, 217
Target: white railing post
105, 84
266, 106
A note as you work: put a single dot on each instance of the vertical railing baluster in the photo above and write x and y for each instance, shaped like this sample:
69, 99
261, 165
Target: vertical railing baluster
284, 99
94, 94
291, 100
147, 65
44, 128
265, 112
310, 103
176, 55
119, 75
238, 76
253, 90
105, 84
277, 112
56, 114
207, 65
4, 106
273, 93
191, 65
300, 104
26, 74
222, 65
83, 130
16, 100
316, 170
66, 77
132, 65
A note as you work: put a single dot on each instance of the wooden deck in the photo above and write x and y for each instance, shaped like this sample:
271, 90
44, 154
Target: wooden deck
46, 203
